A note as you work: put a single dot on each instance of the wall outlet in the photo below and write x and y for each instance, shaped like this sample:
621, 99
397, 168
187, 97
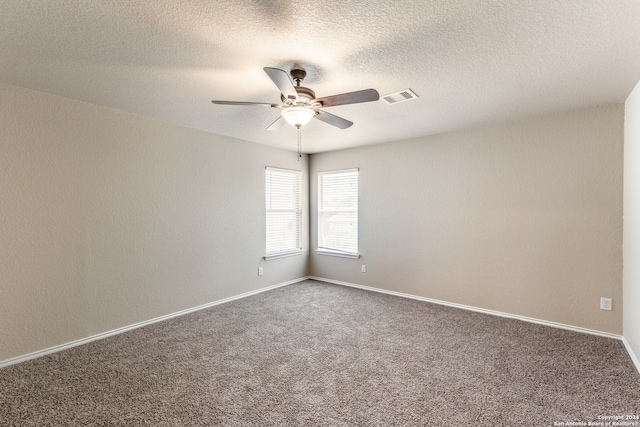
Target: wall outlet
260, 271
364, 268
605, 303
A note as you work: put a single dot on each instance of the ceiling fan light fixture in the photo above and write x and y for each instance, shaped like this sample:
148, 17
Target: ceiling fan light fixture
299, 103
298, 116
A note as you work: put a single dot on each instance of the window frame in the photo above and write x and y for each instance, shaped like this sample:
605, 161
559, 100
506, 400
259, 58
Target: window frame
322, 248
296, 210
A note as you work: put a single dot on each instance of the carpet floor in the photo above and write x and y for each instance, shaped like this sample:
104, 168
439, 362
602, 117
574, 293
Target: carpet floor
314, 353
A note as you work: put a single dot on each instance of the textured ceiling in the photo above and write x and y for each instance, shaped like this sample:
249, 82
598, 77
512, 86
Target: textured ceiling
469, 62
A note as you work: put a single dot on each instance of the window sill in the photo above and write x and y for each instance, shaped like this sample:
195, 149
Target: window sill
336, 253
282, 255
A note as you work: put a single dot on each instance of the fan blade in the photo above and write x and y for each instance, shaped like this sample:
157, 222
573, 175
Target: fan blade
244, 103
366, 95
280, 121
333, 120
283, 81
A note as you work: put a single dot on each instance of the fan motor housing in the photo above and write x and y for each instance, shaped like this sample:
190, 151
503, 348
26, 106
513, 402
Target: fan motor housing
304, 93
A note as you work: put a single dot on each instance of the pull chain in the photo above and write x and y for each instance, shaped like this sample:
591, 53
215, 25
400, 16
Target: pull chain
299, 142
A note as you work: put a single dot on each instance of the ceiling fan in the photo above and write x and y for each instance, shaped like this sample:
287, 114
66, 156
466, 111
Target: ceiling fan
299, 103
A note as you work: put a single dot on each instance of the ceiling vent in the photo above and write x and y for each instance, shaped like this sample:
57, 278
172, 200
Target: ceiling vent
403, 95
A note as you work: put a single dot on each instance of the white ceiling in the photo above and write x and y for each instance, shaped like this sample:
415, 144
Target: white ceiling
470, 62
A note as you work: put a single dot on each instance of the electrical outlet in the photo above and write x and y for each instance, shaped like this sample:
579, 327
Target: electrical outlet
364, 268
260, 271
605, 303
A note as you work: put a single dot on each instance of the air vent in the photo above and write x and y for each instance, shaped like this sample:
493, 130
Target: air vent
403, 95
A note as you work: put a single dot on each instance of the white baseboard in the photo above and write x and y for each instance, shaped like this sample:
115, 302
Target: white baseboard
102, 335
471, 308
96, 337
633, 356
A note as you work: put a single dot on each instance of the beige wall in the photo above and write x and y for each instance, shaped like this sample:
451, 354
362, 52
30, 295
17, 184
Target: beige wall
109, 219
523, 218
631, 321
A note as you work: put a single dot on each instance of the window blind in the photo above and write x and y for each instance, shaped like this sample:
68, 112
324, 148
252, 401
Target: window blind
283, 211
338, 211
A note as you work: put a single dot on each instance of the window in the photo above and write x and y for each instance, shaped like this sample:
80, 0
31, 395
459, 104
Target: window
284, 212
338, 213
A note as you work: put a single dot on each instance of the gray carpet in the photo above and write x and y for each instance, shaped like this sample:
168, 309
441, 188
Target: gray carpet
319, 354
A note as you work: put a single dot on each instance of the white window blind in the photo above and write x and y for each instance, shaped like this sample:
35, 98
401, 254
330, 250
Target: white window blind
338, 212
284, 212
